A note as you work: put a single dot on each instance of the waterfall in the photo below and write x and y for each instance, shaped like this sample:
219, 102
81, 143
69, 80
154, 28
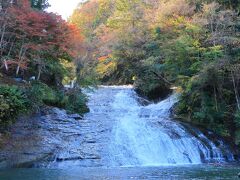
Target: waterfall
146, 135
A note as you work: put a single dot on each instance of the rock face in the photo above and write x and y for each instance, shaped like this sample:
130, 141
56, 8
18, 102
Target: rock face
54, 138
50, 138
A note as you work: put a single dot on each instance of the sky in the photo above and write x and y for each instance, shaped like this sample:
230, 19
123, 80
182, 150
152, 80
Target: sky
63, 7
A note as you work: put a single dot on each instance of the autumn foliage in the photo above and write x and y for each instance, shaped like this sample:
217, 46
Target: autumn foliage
155, 44
30, 38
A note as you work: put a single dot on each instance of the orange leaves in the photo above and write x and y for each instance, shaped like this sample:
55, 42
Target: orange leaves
103, 58
74, 38
66, 37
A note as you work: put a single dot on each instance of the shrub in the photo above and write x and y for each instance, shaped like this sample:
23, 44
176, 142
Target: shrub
38, 93
13, 102
76, 102
59, 99
73, 101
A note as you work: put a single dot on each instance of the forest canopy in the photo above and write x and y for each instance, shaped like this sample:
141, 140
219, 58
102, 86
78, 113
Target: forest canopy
155, 45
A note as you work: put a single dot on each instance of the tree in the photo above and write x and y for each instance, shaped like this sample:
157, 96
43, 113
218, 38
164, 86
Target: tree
34, 41
39, 4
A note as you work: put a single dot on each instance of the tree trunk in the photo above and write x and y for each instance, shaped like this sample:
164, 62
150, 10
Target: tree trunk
20, 57
17, 70
162, 78
5, 64
215, 97
10, 50
39, 72
2, 36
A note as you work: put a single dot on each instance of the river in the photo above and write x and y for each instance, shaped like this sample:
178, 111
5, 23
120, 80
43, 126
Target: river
196, 172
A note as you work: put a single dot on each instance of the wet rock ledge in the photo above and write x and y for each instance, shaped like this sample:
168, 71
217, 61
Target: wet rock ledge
50, 136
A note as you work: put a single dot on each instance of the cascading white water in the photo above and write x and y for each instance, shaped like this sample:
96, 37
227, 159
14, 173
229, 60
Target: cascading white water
146, 135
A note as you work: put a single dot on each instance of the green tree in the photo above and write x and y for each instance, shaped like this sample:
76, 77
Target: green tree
40, 4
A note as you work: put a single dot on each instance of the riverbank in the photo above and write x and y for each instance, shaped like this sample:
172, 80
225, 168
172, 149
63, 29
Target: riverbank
19, 98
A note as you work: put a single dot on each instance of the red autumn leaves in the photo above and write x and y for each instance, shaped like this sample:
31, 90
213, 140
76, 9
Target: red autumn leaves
28, 34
